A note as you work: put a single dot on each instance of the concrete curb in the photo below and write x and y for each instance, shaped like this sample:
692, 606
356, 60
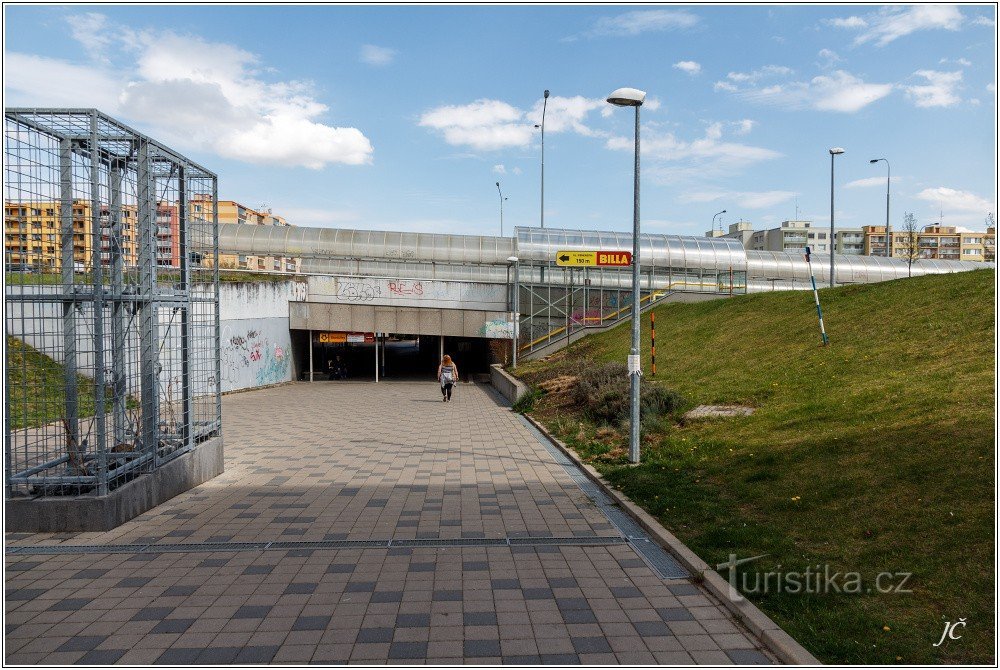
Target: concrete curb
508, 386
769, 633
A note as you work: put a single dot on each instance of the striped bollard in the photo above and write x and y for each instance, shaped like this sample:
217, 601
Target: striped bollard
652, 338
819, 310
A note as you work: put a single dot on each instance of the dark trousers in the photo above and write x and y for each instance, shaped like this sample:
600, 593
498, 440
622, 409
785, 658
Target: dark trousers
446, 390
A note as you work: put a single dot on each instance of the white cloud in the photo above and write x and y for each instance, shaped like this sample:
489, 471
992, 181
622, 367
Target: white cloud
499, 169
642, 21
92, 32
710, 152
953, 199
829, 57
939, 91
744, 199
689, 66
487, 125
984, 21
516, 170
482, 125
868, 182
193, 93
890, 23
375, 55
849, 22
838, 91
964, 62
752, 77
66, 85
744, 126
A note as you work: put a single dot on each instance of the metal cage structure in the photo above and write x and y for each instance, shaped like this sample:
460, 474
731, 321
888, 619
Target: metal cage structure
111, 303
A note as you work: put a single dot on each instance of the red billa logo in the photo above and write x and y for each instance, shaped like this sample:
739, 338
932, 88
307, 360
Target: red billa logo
616, 258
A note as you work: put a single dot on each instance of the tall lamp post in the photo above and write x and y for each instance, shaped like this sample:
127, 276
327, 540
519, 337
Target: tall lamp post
630, 97
888, 180
512, 262
501, 208
836, 151
545, 102
720, 221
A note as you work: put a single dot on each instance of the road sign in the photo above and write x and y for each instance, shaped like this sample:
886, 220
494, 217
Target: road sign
594, 258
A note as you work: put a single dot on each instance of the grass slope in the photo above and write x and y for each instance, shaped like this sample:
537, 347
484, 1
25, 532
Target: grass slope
875, 454
36, 386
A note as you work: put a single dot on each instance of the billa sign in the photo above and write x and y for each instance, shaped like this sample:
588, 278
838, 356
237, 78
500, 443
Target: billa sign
614, 259
346, 338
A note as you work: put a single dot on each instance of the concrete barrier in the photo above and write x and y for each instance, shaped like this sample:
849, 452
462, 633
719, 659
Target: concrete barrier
509, 387
102, 513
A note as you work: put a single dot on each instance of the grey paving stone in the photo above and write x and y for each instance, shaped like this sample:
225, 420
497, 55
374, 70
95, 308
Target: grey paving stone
256, 655
674, 614
591, 645
69, 604
370, 635
179, 656
22, 595
387, 597
537, 594
625, 592
420, 620
218, 655
311, 623
572, 604
522, 660
180, 590
90, 573
499, 584
301, 587
447, 595
560, 659
213, 562
684, 590
578, 616
422, 567
152, 614
480, 648
252, 612
359, 587
340, 568
475, 566
101, 657
258, 569
401, 650
133, 582
479, 618
652, 628
748, 657
82, 643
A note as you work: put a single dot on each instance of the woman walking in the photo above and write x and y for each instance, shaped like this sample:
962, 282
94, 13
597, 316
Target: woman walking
447, 375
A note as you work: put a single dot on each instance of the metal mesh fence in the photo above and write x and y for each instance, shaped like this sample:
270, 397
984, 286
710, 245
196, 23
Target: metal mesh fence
111, 303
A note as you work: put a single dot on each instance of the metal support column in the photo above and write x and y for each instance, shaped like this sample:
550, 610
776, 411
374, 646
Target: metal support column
97, 282
148, 326
71, 421
310, 355
118, 307
187, 411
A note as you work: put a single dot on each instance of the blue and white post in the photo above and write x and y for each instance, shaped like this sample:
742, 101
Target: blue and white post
819, 310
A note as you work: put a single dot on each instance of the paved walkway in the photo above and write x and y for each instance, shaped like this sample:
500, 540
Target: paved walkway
224, 573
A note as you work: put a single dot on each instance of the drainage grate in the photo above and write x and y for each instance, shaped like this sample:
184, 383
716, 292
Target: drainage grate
453, 542
567, 541
662, 563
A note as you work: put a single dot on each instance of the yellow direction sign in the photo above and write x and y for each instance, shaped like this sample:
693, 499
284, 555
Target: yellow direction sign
594, 258
576, 258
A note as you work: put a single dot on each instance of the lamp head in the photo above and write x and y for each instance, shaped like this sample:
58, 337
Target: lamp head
512, 259
498, 184
627, 97
836, 150
875, 160
722, 212
546, 94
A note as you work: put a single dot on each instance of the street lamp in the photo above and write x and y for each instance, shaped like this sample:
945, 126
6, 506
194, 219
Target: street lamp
545, 102
630, 97
501, 208
512, 262
888, 179
836, 151
720, 221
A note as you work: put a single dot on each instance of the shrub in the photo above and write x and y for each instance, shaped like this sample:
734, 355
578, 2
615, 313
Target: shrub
603, 396
526, 402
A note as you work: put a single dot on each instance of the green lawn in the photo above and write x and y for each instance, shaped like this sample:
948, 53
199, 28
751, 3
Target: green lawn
872, 455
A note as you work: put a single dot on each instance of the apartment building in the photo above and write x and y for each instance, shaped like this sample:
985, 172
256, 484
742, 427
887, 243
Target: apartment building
940, 242
231, 211
796, 236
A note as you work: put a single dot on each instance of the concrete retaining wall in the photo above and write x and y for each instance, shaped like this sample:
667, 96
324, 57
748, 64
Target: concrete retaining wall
509, 387
102, 513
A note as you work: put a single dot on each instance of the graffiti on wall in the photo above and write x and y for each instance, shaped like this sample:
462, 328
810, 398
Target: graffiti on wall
251, 358
358, 290
497, 328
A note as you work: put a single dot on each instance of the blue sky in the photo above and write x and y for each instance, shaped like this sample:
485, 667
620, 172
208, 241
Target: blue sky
404, 118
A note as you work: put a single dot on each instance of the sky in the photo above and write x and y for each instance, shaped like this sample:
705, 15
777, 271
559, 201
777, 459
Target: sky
405, 117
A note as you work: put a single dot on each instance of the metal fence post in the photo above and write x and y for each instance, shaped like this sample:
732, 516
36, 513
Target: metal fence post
72, 419
148, 313
97, 290
187, 413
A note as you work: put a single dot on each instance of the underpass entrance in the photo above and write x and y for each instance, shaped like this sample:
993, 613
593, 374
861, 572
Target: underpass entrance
341, 356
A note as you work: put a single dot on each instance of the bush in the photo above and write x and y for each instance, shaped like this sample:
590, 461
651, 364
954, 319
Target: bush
603, 396
526, 402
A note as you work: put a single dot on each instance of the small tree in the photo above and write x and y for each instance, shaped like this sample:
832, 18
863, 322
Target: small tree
909, 246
